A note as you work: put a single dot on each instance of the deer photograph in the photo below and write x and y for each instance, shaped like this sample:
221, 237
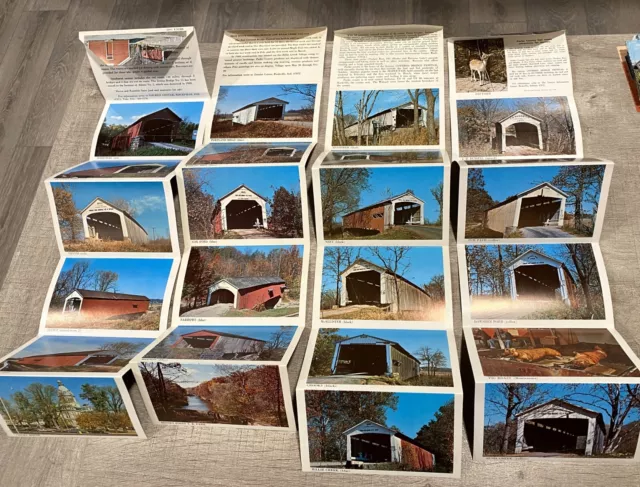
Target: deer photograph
480, 65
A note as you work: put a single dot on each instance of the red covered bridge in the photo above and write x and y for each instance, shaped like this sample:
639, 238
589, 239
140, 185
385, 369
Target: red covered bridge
247, 292
100, 304
160, 126
89, 357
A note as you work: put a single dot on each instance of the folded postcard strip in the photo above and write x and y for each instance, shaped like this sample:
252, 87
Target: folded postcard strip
511, 97
381, 375
220, 375
115, 223
560, 393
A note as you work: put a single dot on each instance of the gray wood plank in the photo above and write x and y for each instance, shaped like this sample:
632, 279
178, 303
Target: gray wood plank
453, 15
225, 15
492, 11
10, 13
548, 15
383, 12
134, 14
497, 28
35, 5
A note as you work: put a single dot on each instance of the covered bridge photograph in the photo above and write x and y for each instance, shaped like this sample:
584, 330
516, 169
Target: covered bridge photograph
401, 285
381, 357
533, 126
243, 202
108, 293
537, 282
550, 201
399, 431
124, 49
382, 203
389, 117
261, 343
249, 153
120, 169
112, 216
149, 129
243, 281
264, 111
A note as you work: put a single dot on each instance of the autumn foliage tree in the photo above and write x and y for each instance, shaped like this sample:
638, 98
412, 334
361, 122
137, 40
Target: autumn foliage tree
286, 213
437, 436
201, 206
69, 218
341, 189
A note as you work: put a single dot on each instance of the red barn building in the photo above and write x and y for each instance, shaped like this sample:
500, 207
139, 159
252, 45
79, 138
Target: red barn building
402, 209
369, 442
69, 359
160, 126
247, 292
99, 304
220, 345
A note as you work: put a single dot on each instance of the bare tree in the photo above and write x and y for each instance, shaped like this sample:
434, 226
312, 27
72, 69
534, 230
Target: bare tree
123, 348
336, 260
364, 107
105, 281
437, 192
338, 126
395, 261
431, 96
414, 96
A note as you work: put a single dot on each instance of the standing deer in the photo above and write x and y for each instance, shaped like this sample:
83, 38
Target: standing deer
480, 66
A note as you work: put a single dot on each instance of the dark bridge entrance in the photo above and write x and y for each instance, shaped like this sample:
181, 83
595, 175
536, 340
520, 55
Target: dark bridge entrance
363, 287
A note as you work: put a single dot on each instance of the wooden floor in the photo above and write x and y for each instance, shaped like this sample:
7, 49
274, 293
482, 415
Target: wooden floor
40, 55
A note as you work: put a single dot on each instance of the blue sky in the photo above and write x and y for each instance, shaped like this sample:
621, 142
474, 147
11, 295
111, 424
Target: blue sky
511, 104
400, 179
502, 182
262, 180
127, 113
557, 391
425, 262
147, 197
257, 332
239, 96
97, 164
410, 340
135, 276
12, 384
222, 148
634, 50
198, 373
386, 99
415, 410
61, 344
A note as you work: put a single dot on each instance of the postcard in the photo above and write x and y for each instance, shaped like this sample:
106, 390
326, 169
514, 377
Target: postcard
121, 169
144, 129
253, 284
232, 343
66, 405
113, 216
376, 284
251, 153
375, 157
212, 393
528, 284
526, 200
397, 433
380, 357
243, 202
381, 203
64, 353
124, 295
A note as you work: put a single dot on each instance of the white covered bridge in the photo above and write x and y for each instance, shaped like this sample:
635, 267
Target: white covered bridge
542, 205
267, 109
390, 119
518, 129
102, 220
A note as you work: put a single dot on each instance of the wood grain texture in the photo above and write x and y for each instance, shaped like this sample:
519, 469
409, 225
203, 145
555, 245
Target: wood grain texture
201, 456
491, 11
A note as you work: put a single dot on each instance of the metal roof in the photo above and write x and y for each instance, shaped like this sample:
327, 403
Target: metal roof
245, 187
249, 282
566, 405
272, 100
87, 293
386, 200
515, 113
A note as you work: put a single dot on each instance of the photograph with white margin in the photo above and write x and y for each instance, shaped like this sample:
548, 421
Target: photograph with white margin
112, 295
248, 284
373, 285
399, 100
529, 284
525, 200
220, 153
119, 169
257, 100
216, 393
67, 404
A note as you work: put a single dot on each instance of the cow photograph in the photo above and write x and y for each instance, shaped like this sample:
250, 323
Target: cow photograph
264, 112
381, 357
382, 283
248, 395
516, 127
534, 282
149, 129
51, 405
217, 153
480, 65
551, 352
242, 343
240, 282
382, 203
386, 117
121, 169
390, 431
550, 201
112, 216
51, 353
568, 421
243, 202
109, 294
